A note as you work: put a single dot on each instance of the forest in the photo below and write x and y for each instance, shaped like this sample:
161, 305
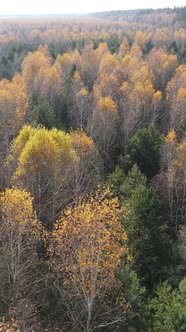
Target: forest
93, 172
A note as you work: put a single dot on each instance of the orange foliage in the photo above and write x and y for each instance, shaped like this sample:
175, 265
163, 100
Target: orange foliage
106, 104
88, 245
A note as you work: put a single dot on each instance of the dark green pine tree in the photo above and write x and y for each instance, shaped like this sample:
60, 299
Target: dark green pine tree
144, 150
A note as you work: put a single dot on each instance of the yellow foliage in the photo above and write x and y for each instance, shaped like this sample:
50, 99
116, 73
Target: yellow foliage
108, 84
136, 51
127, 59
124, 87
41, 149
129, 65
13, 100
81, 143
157, 96
180, 162
48, 81
109, 64
63, 63
76, 76
171, 136
64, 60
17, 212
181, 95
25, 134
46, 163
124, 47
20, 95
96, 91
31, 66
11, 326
89, 243
101, 51
177, 81
143, 90
141, 75
83, 92
106, 104
40, 75
141, 38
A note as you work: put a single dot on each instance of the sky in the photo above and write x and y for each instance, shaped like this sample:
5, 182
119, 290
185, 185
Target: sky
13, 7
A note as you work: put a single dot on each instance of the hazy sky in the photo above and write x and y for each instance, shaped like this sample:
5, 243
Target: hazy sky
79, 6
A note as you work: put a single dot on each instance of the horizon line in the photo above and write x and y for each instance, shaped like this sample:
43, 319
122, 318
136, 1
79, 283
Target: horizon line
88, 13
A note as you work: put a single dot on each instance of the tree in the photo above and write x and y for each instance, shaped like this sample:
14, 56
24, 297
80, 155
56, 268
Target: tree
171, 181
179, 37
124, 47
148, 241
109, 64
172, 304
116, 180
144, 149
176, 96
102, 122
170, 187
179, 165
43, 164
87, 247
41, 76
88, 165
139, 102
66, 105
13, 107
107, 82
48, 84
182, 245
31, 66
57, 168
88, 66
80, 103
44, 114
162, 66
66, 65
103, 129
113, 43
19, 233
160, 309
10, 326
179, 316
141, 39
